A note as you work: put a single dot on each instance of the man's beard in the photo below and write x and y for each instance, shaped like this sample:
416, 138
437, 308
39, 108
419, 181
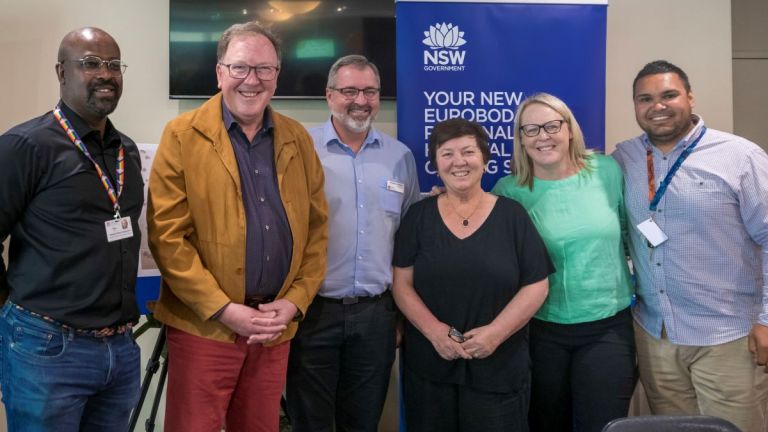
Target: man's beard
102, 106
358, 126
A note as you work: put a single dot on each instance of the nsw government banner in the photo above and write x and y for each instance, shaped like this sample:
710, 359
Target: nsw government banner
479, 60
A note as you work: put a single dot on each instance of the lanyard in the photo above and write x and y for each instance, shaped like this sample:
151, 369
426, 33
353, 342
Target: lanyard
654, 196
119, 168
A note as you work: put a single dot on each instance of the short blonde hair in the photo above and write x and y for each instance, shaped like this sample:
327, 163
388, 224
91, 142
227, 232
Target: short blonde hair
577, 149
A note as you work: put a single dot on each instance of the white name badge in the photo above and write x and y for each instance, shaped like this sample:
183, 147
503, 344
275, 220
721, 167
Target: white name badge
395, 186
118, 229
652, 232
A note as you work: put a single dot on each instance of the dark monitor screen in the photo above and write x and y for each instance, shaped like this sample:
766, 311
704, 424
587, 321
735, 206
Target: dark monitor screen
314, 35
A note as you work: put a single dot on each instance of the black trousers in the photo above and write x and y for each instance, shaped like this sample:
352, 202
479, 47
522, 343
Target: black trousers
438, 407
340, 365
583, 374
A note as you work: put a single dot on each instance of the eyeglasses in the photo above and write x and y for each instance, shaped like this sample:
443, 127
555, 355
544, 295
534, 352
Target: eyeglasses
92, 64
456, 335
550, 127
352, 92
241, 71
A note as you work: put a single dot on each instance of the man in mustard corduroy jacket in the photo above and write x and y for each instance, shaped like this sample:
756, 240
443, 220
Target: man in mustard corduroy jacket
238, 225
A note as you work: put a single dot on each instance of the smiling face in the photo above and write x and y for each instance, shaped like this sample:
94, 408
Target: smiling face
549, 152
355, 115
460, 164
93, 96
663, 108
248, 97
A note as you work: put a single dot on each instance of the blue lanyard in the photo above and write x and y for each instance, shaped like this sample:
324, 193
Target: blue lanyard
672, 171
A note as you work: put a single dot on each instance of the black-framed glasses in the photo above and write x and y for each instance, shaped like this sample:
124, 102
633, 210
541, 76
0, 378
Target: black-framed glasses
550, 127
92, 64
352, 92
241, 71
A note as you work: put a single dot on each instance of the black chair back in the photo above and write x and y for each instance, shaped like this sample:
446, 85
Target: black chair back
670, 424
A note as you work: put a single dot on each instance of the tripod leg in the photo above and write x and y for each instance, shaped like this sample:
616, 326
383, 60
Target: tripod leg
284, 407
149, 425
151, 369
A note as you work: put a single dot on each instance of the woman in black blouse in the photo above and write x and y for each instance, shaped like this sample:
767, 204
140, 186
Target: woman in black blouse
470, 271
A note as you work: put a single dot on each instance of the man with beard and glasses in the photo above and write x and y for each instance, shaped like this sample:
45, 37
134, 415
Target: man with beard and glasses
237, 222
341, 357
697, 201
71, 193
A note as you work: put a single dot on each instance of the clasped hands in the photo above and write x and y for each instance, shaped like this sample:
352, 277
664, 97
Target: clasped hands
477, 343
263, 324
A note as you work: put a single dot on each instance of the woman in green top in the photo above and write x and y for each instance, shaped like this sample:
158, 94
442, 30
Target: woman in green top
582, 344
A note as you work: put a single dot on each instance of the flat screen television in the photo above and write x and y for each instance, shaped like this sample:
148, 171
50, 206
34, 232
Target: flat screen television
314, 35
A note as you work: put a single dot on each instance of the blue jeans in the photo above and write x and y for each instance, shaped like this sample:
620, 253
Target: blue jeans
54, 379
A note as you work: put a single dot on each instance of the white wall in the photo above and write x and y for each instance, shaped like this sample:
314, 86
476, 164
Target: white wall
695, 34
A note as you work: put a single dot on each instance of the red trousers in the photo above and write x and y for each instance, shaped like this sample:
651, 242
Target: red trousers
214, 384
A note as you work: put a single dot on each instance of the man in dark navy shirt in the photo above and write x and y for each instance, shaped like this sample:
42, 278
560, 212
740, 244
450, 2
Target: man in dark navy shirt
71, 194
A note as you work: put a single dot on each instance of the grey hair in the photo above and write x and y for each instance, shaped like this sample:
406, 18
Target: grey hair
355, 60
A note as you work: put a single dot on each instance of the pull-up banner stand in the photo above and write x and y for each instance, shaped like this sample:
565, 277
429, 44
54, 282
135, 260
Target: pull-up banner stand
479, 60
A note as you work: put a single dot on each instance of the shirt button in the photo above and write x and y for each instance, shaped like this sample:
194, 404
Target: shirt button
665, 158
261, 199
658, 264
361, 206
661, 291
362, 231
267, 257
359, 257
266, 227
256, 172
359, 180
239, 270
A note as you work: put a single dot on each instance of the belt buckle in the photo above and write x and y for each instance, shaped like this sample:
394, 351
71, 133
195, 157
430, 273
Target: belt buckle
255, 301
350, 300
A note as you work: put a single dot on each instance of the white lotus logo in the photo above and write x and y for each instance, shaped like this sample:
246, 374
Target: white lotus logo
444, 36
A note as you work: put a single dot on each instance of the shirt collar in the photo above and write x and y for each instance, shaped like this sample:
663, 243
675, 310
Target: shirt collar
229, 119
372, 140
687, 139
111, 137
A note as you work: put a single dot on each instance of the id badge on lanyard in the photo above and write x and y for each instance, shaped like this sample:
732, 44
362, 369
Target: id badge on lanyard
118, 227
653, 234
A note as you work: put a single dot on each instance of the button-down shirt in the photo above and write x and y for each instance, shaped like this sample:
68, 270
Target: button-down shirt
367, 192
53, 205
706, 284
268, 244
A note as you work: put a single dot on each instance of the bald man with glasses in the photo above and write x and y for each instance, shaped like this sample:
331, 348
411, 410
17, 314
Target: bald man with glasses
71, 193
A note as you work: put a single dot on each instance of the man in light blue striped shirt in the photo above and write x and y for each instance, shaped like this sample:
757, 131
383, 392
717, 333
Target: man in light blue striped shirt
702, 311
341, 357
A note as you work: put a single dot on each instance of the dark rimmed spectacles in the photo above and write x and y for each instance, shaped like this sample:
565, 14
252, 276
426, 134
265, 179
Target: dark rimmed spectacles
352, 92
456, 335
241, 71
550, 127
92, 64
